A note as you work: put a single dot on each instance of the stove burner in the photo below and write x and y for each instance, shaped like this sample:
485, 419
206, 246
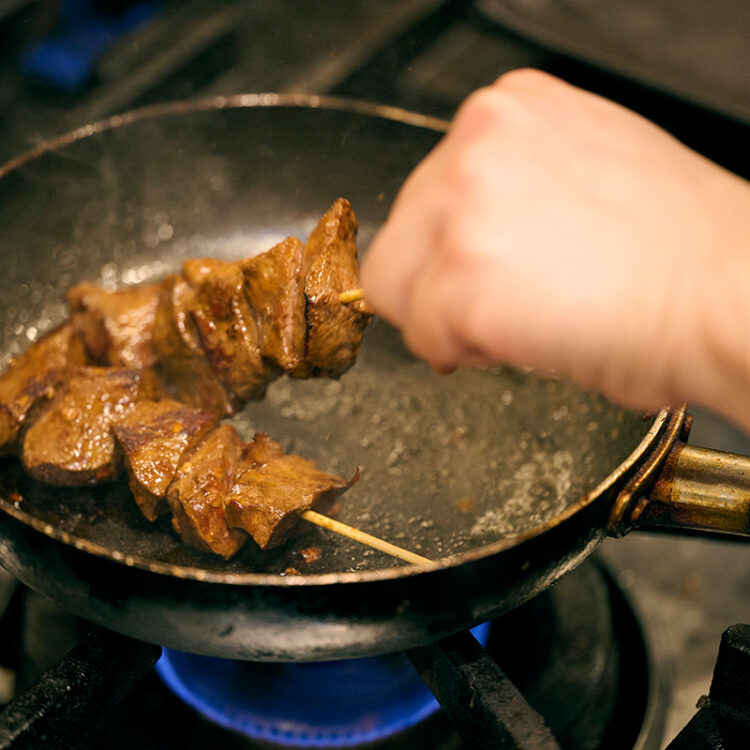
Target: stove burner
321, 704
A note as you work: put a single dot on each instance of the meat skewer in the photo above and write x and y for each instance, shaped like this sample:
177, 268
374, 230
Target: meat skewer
222, 331
218, 489
212, 337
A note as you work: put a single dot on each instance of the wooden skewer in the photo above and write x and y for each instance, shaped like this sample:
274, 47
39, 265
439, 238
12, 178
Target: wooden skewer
363, 538
353, 295
356, 295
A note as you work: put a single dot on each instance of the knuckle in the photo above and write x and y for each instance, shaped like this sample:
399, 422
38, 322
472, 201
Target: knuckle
499, 113
486, 108
524, 80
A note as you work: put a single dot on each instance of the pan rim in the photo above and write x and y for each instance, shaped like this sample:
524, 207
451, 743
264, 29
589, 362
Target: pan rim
300, 101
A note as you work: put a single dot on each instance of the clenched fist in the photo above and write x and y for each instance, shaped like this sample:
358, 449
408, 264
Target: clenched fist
555, 229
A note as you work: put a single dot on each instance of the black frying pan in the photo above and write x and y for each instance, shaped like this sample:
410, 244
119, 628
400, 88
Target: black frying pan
507, 480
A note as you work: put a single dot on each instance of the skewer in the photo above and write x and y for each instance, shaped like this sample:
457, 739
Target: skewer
356, 295
352, 295
363, 538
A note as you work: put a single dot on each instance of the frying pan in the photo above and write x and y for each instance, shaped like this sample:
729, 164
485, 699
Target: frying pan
506, 479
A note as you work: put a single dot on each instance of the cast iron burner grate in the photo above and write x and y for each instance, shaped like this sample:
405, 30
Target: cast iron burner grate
324, 704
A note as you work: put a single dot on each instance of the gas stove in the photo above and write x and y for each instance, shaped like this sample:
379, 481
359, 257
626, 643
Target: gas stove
577, 654
424, 55
572, 669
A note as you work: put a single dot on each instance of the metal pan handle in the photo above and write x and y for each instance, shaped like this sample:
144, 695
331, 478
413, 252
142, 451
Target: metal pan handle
700, 490
684, 488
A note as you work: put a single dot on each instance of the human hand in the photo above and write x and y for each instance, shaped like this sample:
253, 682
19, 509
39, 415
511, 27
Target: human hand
555, 229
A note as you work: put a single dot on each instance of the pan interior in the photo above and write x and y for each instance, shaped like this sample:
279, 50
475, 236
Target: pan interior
448, 463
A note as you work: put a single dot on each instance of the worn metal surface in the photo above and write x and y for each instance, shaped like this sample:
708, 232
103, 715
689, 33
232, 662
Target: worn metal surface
72, 697
228, 178
486, 708
506, 478
702, 489
634, 496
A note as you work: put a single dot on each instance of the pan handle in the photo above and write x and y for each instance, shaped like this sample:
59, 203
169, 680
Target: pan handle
701, 490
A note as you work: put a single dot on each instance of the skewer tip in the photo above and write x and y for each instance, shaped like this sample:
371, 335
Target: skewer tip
352, 295
364, 538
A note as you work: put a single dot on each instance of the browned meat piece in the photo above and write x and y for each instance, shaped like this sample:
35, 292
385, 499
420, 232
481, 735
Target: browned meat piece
271, 490
174, 333
116, 326
227, 329
194, 270
31, 380
197, 495
181, 365
261, 450
334, 329
153, 439
274, 287
71, 442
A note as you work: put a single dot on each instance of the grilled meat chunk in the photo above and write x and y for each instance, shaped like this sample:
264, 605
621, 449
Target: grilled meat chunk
174, 332
116, 326
334, 329
274, 284
197, 495
181, 366
212, 338
31, 380
195, 270
271, 489
71, 442
261, 450
153, 438
227, 328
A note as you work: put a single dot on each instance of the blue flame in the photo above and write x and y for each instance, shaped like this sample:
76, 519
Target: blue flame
318, 704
